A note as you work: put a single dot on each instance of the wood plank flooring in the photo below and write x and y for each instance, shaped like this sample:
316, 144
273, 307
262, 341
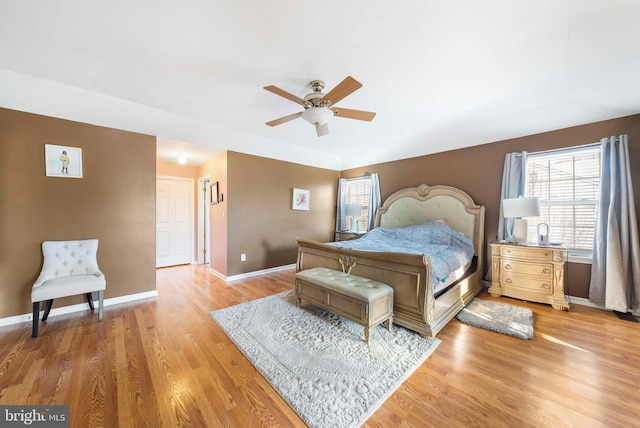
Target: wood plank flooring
164, 362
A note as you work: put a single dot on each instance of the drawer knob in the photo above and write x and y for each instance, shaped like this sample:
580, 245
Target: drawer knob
507, 266
545, 270
545, 286
507, 280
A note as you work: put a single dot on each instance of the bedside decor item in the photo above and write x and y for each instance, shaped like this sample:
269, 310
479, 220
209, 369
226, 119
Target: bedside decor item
63, 161
519, 208
499, 317
543, 234
318, 362
301, 199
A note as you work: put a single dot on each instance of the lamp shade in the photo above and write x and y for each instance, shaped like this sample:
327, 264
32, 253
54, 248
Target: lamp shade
354, 210
317, 115
520, 207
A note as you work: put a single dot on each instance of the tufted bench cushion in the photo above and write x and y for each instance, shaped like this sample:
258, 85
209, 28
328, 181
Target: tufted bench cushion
362, 300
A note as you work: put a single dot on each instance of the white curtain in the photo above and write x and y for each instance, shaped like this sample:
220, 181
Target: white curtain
513, 177
615, 270
342, 205
374, 200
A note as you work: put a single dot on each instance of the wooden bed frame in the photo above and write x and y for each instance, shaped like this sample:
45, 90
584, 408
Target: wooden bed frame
415, 306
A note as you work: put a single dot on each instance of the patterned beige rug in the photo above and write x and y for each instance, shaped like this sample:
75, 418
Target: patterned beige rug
318, 362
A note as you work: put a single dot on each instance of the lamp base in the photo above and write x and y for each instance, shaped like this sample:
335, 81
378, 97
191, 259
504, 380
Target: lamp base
354, 225
520, 230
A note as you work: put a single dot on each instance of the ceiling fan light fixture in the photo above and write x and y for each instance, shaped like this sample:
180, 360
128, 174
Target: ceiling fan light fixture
317, 115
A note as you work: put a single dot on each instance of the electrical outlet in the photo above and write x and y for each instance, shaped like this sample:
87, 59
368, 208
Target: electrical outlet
243, 257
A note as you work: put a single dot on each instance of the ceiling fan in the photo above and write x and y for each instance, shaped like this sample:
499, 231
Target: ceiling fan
318, 106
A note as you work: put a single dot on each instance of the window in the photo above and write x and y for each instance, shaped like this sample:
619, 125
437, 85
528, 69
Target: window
567, 183
357, 192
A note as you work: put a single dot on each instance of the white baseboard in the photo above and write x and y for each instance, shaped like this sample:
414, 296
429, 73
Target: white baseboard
17, 319
250, 274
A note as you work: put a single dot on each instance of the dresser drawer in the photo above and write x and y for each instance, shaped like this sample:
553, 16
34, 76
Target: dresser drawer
538, 286
526, 253
540, 270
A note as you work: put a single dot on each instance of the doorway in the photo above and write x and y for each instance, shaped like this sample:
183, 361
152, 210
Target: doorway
174, 219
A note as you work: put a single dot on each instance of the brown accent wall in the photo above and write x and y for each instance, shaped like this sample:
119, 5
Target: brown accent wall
260, 219
113, 202
478, 171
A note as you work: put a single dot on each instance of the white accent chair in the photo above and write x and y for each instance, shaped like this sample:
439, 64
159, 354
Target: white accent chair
69, 268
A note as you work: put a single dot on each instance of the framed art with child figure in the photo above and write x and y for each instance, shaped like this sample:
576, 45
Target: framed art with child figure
63, 161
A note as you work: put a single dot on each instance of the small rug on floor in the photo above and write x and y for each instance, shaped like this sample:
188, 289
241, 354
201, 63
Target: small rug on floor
499, 317
318, 362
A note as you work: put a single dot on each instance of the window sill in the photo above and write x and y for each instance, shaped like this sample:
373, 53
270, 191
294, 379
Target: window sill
575, 257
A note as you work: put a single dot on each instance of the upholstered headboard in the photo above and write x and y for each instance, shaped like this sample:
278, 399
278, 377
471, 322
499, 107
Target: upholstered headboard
424, 203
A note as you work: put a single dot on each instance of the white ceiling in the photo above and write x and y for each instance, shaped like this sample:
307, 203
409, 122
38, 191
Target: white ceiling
440, 74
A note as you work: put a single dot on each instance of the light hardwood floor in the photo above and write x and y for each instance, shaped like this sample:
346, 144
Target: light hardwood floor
164, 362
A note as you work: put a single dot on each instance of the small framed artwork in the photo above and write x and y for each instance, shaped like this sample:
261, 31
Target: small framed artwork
301, 199
63, 161
215, 193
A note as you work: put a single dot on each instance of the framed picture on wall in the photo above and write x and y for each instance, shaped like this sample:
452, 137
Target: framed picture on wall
215, 193
301, 199
63, 161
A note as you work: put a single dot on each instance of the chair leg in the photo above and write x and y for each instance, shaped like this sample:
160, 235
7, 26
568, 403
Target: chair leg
100, 305
47, 309
36, 316
90, 300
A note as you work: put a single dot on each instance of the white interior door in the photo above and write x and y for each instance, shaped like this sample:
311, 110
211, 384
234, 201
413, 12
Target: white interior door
174, 212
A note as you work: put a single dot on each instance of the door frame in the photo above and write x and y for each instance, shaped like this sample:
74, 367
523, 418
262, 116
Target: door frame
190, 216
204, 221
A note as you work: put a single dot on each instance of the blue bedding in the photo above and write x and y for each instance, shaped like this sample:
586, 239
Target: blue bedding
448, 249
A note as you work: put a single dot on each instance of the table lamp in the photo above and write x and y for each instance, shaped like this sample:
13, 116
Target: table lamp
519, 209
354, 210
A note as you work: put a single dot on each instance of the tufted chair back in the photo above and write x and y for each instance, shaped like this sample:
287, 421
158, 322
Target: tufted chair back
68, 258
69, 268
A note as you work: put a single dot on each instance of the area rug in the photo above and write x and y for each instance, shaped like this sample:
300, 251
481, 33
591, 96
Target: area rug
500, 317
318, 362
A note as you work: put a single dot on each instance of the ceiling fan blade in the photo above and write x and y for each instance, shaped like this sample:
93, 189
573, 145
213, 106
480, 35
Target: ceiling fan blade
286, 95
344, 88
284, 119
322, 129
353, 114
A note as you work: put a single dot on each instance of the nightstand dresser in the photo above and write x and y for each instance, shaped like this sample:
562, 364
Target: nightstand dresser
347, 235
529, 272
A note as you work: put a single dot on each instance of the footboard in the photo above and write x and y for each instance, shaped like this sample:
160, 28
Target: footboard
409, 275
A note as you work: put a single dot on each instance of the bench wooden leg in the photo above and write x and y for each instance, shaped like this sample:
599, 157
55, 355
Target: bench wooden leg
367, 334
389, 323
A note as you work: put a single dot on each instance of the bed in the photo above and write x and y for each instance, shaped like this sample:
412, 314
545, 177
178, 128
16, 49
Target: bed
416, 305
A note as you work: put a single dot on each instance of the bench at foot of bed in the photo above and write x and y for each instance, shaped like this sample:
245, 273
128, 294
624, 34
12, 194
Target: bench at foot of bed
361, 300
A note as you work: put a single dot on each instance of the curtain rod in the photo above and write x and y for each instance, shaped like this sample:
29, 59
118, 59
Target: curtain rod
564, 149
